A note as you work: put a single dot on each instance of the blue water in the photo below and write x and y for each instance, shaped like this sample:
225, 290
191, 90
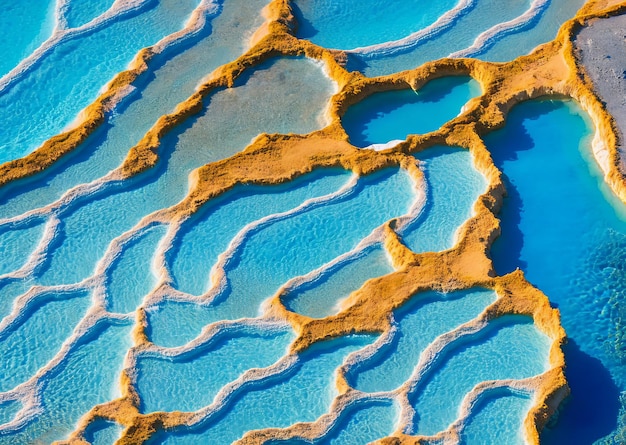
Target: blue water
102, 432
209, 231
453, 186
171, 78
80, 12
498, 418
364, 423
9, 290
181, 383
321, 297
67, 79
18, 244
350, 24
393, 115
302, 394
38, 335
87, 377
8, 410
461, 34
288, 248
131, 277
419, 322
568, 233
541, 31
508, 348
90, 224
24, 25
360, 423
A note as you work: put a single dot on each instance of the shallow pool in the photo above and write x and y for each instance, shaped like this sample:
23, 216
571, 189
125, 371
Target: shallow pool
393, 115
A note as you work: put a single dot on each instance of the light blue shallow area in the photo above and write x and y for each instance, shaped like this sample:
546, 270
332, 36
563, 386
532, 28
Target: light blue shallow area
191, 381
419, 322
8, 410
220, 131
102, 432
18, 244
322, 296
89, 376
542, 30
288, 248
365, 423
9, 290
172, 77
80, 12
567, 231
459, 35
209, 231
24, 25
67, 79
302, 394
510, 347
453, 185
131, 276
34, 340
359, 424
350, 24
498, 418
393, 115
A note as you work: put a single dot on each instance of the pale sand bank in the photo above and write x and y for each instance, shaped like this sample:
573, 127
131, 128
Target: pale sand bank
602, 50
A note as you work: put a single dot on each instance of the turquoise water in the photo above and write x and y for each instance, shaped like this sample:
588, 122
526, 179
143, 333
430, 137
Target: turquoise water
81, 12
459, 35
453, 186
291, 95
88, 227
364, 423
181, 384
8, 410
287, 248
321, 297
498, 418
103, 433
38, 334
301, 394
9, 290
171, 78
351, 24
18, 244
88, 376
208, 232
419, 323
583, 278
131, 277
67, 79
393, 115
24, 25
508, 348
543, 30
360, 423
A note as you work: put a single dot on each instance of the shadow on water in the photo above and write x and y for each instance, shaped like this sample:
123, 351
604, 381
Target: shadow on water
304, 28
591, 411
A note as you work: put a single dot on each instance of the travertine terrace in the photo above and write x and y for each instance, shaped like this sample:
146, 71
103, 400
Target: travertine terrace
550, 70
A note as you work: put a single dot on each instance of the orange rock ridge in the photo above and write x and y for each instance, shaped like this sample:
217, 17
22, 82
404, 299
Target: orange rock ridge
550, 70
